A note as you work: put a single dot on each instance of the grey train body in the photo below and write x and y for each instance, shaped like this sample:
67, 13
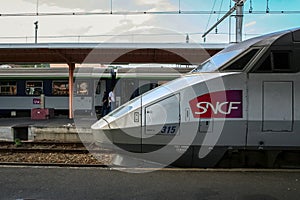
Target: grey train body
239, 108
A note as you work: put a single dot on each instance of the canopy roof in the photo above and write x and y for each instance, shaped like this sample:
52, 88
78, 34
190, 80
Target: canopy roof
112, 53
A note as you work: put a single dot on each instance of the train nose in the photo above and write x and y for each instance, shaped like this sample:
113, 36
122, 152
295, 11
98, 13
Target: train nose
100, 125
101, 134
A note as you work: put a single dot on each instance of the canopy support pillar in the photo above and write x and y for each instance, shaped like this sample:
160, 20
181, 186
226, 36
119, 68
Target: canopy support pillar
71, 89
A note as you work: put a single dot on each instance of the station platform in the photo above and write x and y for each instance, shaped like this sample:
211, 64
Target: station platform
96, 183
54, 129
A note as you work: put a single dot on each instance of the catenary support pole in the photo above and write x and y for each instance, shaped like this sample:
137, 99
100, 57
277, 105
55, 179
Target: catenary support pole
239, 22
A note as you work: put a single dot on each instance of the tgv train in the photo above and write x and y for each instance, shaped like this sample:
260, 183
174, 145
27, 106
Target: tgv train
239, 108
21, 88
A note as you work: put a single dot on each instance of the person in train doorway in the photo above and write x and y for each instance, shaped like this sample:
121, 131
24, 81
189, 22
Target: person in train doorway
105, 105
112, 100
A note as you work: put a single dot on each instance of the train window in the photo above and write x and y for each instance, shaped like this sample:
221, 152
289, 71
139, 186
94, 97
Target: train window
276, 61
8, 88
143, 89
34, 88
215, 62
243, 61
266, 65
82, 88
281, 60
60, 88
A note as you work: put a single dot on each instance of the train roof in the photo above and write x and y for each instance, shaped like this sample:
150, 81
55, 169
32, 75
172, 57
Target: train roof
221, 60
285, 37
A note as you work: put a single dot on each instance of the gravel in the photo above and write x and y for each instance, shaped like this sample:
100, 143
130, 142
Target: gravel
53, 158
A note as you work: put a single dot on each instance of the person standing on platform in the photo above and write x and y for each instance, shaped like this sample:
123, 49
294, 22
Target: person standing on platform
105, 107
112, 100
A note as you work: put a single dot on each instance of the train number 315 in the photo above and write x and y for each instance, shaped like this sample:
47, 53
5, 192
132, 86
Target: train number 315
168, 130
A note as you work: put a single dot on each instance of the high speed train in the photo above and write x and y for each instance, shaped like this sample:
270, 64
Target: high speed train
239, 108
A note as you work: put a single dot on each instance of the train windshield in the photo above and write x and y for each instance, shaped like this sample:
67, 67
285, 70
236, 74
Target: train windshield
218, 60
125, 108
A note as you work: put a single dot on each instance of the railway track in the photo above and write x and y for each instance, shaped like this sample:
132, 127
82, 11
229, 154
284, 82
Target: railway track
53, 154
49, 147
46, 143
67, 154
26, 150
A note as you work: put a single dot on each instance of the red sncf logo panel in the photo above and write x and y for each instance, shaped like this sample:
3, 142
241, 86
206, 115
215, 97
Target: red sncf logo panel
221, 104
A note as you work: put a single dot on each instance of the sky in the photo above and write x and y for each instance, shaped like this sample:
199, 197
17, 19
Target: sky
128, 27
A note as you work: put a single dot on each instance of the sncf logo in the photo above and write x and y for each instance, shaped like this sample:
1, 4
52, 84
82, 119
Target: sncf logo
220, 107
221, 104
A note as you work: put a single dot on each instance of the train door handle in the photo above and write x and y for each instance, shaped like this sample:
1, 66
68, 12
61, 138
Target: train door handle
187, 114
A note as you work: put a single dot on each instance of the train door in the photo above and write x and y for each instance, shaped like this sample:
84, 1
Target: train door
279, 95
100, 87
128, 91
83, 99
163, 139
162, 120
271, 89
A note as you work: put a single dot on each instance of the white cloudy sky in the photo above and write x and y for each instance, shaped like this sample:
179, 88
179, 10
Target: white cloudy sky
136, 28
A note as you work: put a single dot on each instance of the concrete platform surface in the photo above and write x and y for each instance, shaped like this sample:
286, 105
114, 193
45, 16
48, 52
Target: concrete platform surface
74, 183
58, 129
53, 122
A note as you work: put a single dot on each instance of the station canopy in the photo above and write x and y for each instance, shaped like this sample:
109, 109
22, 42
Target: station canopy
108, 53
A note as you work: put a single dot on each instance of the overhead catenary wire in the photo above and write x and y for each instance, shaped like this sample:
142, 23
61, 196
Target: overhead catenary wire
220, 9
175, 12
182, 12
228, 13
210, 14
219, 15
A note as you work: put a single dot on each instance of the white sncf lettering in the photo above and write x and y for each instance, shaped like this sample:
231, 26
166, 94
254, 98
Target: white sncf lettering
218, 108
